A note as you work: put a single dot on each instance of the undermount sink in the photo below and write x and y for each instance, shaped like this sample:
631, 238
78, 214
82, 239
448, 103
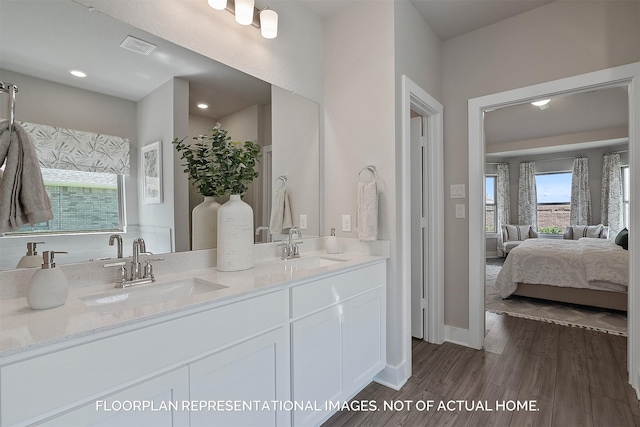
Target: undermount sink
137, 296
312, 262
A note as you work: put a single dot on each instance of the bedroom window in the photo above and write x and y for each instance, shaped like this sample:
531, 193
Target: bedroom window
490, 202
625, 196
554, 202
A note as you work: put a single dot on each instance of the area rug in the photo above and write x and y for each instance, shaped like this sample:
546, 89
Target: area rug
598, 319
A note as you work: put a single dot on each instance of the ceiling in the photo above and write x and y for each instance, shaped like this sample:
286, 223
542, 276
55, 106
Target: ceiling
447, 18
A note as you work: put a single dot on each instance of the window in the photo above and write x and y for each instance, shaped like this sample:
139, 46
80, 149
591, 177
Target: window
554, 202
81, 202
490, 202
625, 196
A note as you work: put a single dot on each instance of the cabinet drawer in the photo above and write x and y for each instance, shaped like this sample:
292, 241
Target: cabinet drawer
54, 381
312, 296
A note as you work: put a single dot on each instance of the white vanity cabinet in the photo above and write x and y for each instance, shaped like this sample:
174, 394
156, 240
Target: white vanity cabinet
148, 362
337, 339
312, 342
117, 409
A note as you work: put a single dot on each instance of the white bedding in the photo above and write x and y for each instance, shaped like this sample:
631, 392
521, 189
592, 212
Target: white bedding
585, 263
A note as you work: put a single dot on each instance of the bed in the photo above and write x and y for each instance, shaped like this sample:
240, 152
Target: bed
588, 271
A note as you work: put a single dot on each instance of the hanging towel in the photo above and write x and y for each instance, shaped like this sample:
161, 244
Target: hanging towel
281, 218
23, 198
367, 211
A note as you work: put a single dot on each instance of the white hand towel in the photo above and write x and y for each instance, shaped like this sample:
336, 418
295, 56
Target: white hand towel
280, 212
23, 198
367, 211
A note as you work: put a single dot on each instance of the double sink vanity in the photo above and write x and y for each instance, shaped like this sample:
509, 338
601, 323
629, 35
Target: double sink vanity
280, 344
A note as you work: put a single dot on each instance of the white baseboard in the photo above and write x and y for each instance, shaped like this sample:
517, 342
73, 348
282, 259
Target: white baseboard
456, 335
491, 255
392, 376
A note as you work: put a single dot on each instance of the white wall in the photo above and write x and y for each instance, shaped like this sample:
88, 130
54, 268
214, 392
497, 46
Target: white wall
577, 37
162, 116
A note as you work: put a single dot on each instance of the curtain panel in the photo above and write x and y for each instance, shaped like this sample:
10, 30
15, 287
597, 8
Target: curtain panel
527, 195
611, 207
503, 203
69, 149
580, 213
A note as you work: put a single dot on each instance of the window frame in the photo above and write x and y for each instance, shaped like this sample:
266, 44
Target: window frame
122, 219
551, 235
494, 204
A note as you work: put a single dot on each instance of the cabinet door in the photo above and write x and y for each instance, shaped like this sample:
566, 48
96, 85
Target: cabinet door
364, 339
240, 379
316, 363
165, 394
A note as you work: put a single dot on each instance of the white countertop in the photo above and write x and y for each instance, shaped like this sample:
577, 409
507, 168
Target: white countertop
23, 329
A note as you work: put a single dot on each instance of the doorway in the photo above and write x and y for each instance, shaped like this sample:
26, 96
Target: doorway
619, 76
419, 250
430, 111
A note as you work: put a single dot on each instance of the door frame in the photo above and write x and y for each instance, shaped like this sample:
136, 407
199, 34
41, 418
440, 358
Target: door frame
417, 99
623, 75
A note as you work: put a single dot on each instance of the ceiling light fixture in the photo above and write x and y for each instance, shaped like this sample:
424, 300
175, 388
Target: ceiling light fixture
541, 103
203, 106
78, 73
246, 14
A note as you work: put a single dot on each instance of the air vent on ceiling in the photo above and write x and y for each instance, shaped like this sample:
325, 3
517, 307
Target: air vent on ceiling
137, 45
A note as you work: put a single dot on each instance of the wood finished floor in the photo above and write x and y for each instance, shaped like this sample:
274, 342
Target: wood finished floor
577, 377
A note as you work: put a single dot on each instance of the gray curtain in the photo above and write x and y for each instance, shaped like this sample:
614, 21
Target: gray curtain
611, 212
503, 203
580, 196
527, 195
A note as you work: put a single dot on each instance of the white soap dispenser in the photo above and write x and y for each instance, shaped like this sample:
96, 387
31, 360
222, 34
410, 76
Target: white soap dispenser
31, 259
332, 243
48, 287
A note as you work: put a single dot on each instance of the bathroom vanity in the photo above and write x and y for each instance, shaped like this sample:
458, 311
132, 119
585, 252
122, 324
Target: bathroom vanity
281, 344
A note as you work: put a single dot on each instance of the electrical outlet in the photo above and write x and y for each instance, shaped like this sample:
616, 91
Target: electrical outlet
460, 211
346, 222
303, 222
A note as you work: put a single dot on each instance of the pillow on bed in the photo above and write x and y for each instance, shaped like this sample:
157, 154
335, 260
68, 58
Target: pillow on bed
517, 233
622, 239
579, 231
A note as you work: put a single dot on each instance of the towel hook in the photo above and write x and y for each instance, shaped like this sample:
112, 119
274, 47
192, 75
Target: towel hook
283, 179
370, 168
11, 89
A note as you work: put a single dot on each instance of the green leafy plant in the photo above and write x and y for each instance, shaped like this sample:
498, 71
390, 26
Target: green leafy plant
554, 229
216, 165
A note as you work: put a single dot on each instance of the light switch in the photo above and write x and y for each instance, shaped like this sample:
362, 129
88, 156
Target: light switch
459, 211
457, 191
303, 222
346, 222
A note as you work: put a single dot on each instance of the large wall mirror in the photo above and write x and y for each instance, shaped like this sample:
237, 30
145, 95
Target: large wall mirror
147, 97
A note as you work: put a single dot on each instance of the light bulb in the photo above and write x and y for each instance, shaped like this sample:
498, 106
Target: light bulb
244, 12
218, 4
541, 102
269, 24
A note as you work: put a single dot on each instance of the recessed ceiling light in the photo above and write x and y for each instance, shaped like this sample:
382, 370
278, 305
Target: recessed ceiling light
78, 73
203, 106
541, 102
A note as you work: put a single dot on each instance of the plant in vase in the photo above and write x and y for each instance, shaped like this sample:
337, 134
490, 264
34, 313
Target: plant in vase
218, 166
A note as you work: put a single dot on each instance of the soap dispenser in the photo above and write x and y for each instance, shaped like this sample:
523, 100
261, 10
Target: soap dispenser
332, 243
31, 259
48, 287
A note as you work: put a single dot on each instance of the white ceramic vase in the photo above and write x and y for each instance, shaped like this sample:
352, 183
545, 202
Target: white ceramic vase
235, 235
204, 224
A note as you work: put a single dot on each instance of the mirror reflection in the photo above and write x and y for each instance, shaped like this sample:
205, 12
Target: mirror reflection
146, 90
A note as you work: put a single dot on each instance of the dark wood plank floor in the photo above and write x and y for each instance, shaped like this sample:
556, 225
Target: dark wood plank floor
575, 376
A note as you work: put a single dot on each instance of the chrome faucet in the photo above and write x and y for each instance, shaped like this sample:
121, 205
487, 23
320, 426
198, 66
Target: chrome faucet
137, 275
116, 238
139, 247
291, 249
264, 228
